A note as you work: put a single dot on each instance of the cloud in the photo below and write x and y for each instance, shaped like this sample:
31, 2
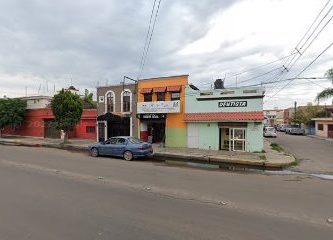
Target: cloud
100, 41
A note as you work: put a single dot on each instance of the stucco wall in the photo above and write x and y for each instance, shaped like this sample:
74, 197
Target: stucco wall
254, 139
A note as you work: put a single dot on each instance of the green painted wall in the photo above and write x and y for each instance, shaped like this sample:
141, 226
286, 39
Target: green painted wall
176, 137
255, 140
209, 136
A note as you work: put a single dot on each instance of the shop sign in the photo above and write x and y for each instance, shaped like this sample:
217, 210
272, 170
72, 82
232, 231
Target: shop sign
151, 116
233, 104
159, 107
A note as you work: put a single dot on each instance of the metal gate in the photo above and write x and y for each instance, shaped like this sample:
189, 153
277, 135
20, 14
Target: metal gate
50, 130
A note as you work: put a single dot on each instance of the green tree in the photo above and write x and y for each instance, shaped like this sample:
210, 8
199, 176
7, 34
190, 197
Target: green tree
67, 109
328, 92
11, 113
305, 114
88, 101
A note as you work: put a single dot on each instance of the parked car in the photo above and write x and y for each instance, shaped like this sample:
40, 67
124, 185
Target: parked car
297, 130
281, 127
123, 146
270, 132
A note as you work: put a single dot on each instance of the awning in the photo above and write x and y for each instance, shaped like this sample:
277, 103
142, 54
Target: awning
110, 117
159, 89
224, 116
174, 88
145, 90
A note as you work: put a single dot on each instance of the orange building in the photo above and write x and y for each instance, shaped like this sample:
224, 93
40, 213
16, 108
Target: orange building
160, 110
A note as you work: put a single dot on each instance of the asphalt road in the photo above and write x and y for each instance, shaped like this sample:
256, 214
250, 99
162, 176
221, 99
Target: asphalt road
54, 194
315, 155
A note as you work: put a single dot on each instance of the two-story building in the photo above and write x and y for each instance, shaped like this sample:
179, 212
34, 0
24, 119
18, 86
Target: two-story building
225, 119
160, 110
116, 109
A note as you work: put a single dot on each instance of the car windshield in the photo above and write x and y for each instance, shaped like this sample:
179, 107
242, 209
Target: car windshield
270, 129
135, 140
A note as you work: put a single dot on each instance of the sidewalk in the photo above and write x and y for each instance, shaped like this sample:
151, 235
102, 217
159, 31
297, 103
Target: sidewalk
321, 138
270, 159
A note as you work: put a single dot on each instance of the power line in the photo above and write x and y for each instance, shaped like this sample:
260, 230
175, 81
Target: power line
151, 35
304, 69
148, 32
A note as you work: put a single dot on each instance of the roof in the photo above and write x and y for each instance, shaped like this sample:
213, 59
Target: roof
224, 116
36, 97
323, 119
183, 75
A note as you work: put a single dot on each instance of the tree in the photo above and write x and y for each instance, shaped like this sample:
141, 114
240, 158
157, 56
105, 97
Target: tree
305, 114
328, 92
88, 101
11, 113
67, 109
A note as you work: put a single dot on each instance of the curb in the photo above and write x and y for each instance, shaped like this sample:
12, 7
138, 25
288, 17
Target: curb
181, 159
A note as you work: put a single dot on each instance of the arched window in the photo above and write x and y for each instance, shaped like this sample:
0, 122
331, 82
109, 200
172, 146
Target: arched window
126, 100
109, 103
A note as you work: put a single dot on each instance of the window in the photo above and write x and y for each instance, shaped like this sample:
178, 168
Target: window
227, 92
249, 91
175, 96
160, 96
110, 102
90, 129
121, 141
320, 127
126, 101
148, 97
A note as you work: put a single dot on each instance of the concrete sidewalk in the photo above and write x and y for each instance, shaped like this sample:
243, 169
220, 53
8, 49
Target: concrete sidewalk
269, 159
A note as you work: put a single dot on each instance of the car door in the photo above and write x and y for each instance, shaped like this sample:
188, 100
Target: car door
107, 147
119, 146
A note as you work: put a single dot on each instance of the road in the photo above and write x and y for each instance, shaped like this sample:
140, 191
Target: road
315, 155
55, 194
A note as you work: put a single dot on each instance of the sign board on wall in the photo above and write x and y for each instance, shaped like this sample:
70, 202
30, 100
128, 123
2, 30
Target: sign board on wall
233, 104
159, 107
151, 116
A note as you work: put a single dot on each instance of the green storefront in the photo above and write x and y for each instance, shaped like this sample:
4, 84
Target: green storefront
225, 119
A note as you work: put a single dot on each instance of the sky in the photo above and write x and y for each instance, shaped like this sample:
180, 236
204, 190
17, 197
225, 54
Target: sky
48, 45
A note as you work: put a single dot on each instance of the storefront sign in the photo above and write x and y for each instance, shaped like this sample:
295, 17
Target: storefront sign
159, 107
233, 104
151, 116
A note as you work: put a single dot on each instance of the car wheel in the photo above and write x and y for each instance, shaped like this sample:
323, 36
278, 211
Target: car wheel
128, 155
94, 152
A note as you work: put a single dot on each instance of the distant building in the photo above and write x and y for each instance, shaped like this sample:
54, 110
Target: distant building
273, 117
324, 126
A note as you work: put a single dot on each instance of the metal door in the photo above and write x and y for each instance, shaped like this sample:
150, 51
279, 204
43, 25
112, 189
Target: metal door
192, 135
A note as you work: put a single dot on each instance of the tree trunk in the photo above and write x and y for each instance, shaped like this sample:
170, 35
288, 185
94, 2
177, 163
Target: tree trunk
65, 137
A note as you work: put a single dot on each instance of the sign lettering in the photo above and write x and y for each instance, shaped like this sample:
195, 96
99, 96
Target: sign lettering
233, 104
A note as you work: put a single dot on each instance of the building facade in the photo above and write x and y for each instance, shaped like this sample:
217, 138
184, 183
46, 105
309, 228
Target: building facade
273, 117
116, 109
39, 121
225, 119
160, 110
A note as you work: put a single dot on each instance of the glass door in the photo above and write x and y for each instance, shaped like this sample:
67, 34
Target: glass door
237, 141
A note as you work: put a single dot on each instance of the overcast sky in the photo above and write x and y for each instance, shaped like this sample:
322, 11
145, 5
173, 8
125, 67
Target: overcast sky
90, 42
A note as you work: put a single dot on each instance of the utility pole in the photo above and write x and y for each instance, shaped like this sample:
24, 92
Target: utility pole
295, 107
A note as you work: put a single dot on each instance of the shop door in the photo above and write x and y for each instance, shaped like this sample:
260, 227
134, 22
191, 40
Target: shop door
330, 130
193, 135
237, 141
49, 129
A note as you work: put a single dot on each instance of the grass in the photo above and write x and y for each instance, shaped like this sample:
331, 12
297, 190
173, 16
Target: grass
263, 157
276, 147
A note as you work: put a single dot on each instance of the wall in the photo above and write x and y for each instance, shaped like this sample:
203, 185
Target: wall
176, 131
33, 125
209, 136
254, 137
321, 133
